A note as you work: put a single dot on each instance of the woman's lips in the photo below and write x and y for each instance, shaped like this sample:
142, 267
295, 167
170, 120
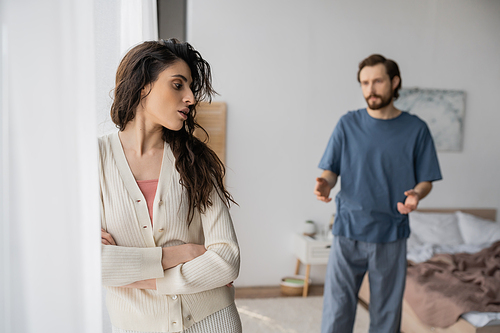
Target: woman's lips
184, 113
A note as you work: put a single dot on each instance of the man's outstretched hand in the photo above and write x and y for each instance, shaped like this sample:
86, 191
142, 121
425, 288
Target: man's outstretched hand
322, 190
411, 202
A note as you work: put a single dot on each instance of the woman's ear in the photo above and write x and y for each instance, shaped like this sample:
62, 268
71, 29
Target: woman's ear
144, 93
145, 90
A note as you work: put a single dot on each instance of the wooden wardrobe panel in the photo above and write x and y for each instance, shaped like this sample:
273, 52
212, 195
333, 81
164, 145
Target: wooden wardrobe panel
212, 117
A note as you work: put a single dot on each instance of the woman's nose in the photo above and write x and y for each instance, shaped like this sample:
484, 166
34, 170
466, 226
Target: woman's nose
189, 97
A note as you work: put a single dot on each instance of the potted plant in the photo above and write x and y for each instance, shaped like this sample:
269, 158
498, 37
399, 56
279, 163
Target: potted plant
309, 228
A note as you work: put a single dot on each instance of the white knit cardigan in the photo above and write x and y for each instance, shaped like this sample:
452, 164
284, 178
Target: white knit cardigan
186, 293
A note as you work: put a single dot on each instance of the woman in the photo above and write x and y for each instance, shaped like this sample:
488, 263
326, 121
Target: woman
169, 248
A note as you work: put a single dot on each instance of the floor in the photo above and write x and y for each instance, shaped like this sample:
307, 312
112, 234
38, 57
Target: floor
266, 310
267, 292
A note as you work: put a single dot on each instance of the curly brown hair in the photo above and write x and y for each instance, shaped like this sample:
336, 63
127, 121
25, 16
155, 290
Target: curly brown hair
200, 169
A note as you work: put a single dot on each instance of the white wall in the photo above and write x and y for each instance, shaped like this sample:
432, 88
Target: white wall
287, 70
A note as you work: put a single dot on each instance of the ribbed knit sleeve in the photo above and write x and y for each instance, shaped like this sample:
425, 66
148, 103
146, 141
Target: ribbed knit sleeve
124, 265
216, 267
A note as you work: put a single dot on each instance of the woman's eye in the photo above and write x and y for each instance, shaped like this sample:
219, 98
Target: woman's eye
177, 85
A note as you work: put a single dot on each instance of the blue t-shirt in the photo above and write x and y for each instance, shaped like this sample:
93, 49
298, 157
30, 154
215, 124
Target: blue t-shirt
377, 161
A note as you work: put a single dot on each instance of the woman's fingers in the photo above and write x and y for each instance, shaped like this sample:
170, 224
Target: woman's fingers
106, 238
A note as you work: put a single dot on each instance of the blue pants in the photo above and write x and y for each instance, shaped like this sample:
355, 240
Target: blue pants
349, 261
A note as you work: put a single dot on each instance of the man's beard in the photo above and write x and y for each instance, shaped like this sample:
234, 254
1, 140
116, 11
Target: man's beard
382, 103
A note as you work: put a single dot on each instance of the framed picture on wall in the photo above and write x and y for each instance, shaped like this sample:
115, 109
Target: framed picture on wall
442, 110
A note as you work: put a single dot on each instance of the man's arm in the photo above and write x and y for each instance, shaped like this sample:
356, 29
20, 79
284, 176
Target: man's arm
324, 185
413, 197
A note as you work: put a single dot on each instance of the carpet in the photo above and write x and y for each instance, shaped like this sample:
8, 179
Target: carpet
289, 315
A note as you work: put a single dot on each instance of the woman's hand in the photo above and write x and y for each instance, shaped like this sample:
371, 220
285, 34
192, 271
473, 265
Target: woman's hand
106, 238
179, 254
194, 251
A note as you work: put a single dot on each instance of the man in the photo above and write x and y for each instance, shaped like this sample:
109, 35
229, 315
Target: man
386, 162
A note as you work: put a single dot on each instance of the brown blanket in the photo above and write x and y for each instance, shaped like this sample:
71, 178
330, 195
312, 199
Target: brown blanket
448, 285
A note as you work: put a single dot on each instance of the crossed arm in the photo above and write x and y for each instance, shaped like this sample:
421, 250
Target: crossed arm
171, 257
328, 179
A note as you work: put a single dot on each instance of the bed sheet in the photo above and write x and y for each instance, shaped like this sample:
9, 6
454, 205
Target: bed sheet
419, 253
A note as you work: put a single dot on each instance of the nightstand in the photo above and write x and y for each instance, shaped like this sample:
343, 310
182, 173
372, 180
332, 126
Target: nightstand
310, 251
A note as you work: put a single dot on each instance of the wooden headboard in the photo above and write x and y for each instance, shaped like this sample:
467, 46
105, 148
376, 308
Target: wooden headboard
485, 213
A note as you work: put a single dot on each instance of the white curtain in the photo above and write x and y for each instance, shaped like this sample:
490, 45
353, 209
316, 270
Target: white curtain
138, 22
120, 24
53, 56
50, 251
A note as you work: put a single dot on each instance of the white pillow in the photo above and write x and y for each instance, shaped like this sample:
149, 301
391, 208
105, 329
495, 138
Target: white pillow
476, 230
436, 228
413, 241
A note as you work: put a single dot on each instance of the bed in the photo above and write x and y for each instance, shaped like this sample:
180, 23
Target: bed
441, 231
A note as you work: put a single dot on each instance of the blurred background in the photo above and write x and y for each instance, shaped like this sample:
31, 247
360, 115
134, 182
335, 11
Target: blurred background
286, 70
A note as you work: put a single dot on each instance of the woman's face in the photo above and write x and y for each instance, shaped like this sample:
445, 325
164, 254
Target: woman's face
167, 104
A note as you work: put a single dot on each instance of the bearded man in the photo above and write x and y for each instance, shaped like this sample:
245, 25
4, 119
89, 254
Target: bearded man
386, 161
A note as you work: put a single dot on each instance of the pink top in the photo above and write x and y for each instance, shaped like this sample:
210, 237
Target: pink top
148, 189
